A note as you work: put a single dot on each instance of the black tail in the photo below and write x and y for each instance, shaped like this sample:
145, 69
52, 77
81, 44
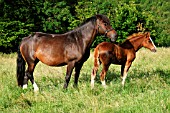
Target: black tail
20, 68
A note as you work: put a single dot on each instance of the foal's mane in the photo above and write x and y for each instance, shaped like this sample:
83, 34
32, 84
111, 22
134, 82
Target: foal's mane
134, 35
128, 42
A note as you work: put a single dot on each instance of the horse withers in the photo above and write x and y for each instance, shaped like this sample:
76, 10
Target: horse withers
71, 48
124, 54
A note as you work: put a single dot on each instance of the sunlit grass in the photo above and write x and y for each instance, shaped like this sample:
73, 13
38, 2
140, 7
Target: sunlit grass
147, 88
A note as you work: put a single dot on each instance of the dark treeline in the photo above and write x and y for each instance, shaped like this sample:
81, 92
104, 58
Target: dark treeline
19, 18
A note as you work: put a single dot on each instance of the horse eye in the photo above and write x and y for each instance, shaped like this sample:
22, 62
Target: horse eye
149, 41
105, 24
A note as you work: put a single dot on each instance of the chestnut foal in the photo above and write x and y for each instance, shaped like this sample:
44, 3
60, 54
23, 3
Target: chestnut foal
107, 53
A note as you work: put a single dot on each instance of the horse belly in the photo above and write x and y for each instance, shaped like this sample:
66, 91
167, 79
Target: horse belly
118, 59
118, 62
58, 54
115, 61
51, 59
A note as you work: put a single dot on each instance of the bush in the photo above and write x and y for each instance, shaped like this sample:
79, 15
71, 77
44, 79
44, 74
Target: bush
126, 17
57, 17
130, 19
11, 34
18, 19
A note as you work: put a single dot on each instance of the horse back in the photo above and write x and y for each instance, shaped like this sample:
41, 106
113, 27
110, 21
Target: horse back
112, 52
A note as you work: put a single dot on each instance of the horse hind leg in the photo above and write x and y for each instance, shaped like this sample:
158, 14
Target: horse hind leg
94, 71
103, 74
25, 81
29, 75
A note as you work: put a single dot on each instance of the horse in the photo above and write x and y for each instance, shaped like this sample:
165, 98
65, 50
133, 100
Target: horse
123, 54
71, 48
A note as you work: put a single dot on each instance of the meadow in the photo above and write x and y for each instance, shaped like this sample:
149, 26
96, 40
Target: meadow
147, 88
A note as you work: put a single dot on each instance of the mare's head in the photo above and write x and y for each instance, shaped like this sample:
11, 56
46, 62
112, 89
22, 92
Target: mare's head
104, 27
148, 43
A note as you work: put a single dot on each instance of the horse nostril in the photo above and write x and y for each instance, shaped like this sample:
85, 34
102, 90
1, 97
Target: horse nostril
153, 50
113, 39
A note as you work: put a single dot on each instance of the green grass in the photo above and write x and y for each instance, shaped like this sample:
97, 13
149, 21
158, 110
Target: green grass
147, 88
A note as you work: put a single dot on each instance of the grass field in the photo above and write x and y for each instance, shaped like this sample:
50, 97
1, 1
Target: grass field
147, 88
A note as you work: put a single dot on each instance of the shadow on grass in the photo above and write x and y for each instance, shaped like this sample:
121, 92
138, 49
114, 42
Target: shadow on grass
133, 74
111, 76
164, 74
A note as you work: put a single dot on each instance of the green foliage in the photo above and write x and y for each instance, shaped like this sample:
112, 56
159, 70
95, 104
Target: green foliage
11, 34
160, 11
126, 19
57, 15
53, 16
130, 19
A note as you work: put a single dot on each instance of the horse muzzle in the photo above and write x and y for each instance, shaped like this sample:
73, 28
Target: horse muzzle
113, 37
153, 50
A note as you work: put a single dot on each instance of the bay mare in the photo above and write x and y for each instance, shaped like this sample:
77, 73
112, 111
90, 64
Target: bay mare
71, 48
107, 53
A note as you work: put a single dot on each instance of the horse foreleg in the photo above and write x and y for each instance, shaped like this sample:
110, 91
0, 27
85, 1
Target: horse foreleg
77, 73
124, 71
70, 67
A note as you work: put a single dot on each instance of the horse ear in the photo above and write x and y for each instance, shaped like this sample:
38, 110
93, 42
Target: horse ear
147, 34
99, 16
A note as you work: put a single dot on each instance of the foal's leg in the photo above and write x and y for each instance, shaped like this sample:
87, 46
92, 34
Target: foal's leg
70, 67
103, 74
93, 75
94, 71
124, 71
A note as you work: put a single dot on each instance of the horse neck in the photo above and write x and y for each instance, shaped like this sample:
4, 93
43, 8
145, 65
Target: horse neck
134, 43
88, 33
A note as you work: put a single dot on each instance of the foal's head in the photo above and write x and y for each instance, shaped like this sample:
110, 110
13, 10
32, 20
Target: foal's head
104, 27
148, 43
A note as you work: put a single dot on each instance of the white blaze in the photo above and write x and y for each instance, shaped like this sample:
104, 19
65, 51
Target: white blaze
152, 42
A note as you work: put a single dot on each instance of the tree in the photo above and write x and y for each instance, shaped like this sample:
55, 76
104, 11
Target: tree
18, 18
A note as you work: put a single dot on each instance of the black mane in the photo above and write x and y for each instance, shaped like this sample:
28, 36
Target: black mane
104, 18
94, 18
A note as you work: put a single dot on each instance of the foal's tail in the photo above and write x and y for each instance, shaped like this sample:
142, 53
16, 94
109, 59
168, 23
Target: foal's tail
20, 68
96, 66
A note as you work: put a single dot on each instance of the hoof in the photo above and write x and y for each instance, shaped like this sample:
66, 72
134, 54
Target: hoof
24, 86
